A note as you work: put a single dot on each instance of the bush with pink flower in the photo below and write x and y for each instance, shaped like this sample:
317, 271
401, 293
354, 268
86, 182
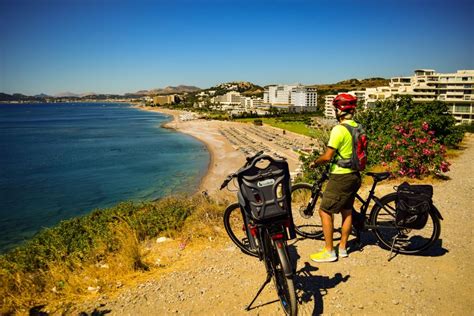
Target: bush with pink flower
411, 151
409, 139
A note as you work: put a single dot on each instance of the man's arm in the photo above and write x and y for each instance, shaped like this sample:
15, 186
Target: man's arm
324, 158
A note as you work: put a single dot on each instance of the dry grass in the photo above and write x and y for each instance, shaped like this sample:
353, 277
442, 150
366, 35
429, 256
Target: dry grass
63, 283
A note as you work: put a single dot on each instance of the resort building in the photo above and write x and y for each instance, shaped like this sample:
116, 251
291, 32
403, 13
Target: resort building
249, 103
292, 98
230, 98
278, 94
304, 98
164, 99
456, 89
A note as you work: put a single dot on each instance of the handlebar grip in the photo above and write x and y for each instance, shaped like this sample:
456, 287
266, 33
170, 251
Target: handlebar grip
227, 180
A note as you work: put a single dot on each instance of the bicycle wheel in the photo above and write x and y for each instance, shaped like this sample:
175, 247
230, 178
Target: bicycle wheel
307, 221
408, 241
278, 264
235, 227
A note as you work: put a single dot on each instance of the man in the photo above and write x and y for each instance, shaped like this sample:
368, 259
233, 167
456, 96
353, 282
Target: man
343, 182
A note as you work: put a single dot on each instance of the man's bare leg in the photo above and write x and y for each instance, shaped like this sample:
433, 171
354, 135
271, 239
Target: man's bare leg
345, 229
328, 229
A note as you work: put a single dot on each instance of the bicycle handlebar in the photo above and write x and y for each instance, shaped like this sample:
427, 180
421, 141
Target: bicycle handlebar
233, 175
227, 180
251, 158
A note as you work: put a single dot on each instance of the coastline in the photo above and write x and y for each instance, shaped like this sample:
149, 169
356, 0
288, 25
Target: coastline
223, 158
227, 143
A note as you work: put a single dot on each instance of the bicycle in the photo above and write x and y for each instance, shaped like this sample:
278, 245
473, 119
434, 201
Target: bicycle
265, 239
381, 221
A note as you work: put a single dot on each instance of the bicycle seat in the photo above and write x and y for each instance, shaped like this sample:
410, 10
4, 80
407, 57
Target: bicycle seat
379, 176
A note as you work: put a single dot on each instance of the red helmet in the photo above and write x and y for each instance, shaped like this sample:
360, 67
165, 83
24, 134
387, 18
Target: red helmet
345, 102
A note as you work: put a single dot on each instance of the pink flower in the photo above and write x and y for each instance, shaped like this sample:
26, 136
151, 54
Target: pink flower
425, 126
431, 133
422, 140
427, 152
444, 166
388, 146
400, 159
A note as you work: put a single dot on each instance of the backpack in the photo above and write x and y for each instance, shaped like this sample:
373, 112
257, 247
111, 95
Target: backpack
413, 204
358, 159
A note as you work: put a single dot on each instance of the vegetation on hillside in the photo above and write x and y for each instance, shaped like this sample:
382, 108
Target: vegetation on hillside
92, 253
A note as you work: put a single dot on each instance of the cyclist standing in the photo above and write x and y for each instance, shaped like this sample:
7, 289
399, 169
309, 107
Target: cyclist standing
343, 182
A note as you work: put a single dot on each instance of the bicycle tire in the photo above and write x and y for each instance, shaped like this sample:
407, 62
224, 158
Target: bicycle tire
277, 260
307, 224
233, 218
414, 240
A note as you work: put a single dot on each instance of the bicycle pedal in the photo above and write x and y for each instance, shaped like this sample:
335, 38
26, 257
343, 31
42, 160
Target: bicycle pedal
246, 242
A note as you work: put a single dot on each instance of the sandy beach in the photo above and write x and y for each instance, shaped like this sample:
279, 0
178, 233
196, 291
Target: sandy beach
229, 142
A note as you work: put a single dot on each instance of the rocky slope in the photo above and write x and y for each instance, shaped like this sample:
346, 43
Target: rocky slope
216, 278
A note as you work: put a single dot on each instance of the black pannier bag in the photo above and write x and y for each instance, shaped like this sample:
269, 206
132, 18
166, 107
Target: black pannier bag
266, 191
413, 205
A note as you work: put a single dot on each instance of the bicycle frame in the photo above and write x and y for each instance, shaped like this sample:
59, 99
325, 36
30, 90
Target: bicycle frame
317, 187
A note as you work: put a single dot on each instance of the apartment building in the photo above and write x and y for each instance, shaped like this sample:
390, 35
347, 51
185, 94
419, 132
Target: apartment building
328, 108
372, 95
456, 89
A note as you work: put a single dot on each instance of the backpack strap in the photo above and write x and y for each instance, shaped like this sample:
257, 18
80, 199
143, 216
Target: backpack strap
344, 162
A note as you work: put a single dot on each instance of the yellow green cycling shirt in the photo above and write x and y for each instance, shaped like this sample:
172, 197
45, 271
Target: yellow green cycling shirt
341, 140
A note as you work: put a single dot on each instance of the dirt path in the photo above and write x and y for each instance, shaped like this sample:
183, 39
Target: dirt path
219, 279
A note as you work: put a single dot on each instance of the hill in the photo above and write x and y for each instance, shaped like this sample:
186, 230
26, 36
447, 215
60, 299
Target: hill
347, 85
169, 90
246, 88
351, 84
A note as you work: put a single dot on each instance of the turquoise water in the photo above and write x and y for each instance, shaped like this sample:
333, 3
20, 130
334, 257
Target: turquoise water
63, 160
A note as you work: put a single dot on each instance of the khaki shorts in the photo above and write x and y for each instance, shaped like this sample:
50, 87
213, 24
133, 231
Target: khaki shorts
340, 192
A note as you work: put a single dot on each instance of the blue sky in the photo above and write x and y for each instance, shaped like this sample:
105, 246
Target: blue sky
107, 46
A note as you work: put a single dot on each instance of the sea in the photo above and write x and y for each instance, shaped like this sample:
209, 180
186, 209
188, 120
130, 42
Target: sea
62, 160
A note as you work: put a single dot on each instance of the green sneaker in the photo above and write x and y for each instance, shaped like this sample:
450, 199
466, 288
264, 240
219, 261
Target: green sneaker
324, 256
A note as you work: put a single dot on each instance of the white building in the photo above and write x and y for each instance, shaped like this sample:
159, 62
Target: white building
230, 98
304, 98
250, 104
456, 89
372, 95
278, 94
294, 98
328, 108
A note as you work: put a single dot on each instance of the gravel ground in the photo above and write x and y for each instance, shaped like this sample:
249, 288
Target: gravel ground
221, 280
